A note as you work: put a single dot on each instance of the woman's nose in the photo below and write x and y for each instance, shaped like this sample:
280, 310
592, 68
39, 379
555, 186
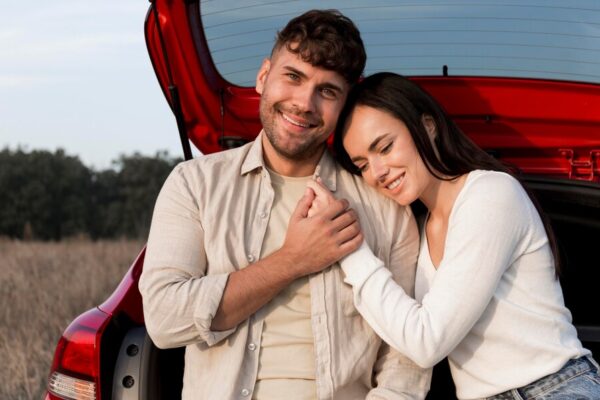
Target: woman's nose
379, 170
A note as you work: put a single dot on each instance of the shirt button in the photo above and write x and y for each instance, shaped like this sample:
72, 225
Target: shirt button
250, 258
263, 215
251, 347
245, 392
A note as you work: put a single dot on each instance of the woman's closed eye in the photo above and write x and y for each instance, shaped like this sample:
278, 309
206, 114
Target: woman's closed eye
387, 148
362, 167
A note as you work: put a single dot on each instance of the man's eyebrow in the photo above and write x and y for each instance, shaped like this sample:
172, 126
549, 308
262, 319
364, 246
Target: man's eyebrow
295, 71
372, 146
326, 85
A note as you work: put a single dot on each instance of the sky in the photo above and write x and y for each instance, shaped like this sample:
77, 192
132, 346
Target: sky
75, 74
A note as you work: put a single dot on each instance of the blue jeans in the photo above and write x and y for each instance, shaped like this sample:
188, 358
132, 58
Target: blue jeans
579, 379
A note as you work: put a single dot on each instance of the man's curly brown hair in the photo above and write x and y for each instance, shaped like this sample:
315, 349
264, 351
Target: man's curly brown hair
325, 39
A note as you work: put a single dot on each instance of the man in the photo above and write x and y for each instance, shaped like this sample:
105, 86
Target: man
225, 273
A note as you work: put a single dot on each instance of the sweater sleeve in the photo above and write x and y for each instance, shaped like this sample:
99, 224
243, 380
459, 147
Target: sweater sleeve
395, 375
487, 230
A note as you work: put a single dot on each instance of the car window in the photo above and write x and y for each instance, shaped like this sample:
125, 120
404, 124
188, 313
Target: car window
533, 39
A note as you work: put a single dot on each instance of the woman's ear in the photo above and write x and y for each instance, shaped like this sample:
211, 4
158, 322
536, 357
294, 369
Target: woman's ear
429, 125
431, 128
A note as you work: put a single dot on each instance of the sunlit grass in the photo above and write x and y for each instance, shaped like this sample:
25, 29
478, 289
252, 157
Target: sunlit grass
43, 286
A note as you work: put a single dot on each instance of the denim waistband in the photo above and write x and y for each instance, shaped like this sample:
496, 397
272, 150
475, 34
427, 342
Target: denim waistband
570, 370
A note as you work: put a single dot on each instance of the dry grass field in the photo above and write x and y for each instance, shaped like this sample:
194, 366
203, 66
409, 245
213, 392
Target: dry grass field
43, 286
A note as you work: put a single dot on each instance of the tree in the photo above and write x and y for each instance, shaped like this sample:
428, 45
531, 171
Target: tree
49, 196
124, 199
47, 192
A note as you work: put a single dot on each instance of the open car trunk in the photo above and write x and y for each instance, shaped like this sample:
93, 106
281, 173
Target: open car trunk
549, 127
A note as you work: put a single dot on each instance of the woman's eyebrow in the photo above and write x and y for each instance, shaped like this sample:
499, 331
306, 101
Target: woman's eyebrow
377, 140
372, 146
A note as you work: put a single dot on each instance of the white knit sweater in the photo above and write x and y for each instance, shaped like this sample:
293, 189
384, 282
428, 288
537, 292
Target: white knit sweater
493, 306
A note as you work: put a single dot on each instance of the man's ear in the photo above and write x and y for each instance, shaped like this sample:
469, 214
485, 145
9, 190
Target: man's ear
261, 76
429, 125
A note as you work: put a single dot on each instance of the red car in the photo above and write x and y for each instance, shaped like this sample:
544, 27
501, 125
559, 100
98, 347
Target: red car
523, 81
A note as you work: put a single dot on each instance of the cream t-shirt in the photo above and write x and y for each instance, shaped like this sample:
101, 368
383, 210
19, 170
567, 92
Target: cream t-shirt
286, 363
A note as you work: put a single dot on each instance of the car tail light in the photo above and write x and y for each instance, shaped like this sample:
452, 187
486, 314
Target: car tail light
71, 388
75, 373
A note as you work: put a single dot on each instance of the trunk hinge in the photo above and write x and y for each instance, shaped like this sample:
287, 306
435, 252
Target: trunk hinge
227, 142
173, 92
585, 169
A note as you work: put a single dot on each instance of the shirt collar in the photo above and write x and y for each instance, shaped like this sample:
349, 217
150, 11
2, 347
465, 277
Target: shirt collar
326, 168
254, 157
327, 171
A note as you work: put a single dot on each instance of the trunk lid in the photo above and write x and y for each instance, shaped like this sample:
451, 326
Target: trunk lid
543, 126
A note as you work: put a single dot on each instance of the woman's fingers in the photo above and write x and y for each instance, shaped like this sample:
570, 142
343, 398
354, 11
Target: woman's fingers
320, 189
323, 197
304, 204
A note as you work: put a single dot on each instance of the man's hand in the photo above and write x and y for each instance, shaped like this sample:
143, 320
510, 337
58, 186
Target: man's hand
312, 243
316, 238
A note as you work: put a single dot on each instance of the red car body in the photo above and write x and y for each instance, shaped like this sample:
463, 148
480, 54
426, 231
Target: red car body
550, 129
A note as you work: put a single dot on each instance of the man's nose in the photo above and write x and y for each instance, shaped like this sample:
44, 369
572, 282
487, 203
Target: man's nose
304, 99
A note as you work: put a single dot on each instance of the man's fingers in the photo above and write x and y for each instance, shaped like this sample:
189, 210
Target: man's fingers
346, 218
348, 232
350, 245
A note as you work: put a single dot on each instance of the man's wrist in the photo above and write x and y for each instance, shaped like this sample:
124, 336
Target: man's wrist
290, 265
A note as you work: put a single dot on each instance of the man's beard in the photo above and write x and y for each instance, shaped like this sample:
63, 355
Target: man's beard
302, 151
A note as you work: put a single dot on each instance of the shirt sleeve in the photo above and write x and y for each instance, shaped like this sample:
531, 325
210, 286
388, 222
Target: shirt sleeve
179, 299
395, 375
487, 227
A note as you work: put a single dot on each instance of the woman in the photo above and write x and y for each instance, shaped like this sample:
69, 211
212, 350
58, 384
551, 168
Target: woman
487, 294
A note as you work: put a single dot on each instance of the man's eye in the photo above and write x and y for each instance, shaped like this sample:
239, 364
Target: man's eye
328, 93
293, 76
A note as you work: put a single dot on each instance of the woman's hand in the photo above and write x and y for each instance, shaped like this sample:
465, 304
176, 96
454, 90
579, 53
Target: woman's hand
323, 197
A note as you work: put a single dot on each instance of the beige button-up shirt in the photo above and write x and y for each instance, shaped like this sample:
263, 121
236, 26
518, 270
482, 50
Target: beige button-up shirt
210, 220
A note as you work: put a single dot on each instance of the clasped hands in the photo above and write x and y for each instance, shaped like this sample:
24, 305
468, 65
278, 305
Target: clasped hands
322, 230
